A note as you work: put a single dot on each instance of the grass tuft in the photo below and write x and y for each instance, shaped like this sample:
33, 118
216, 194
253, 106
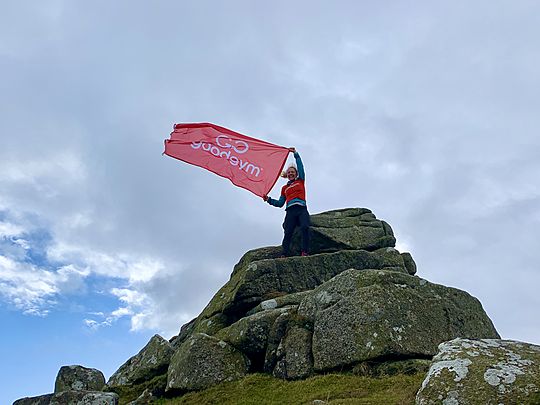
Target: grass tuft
335, 389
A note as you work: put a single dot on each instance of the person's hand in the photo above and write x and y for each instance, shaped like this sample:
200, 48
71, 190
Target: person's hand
292, 149
265, 197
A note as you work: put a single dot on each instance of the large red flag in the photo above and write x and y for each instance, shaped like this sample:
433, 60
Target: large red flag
247, 162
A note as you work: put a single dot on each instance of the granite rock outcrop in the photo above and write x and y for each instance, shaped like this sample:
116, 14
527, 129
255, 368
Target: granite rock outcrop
355, 304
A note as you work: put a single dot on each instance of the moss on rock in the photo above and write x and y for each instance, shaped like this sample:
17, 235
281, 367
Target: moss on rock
202, 361
372, 314
152, 360
250, 334
247, 287
128, 393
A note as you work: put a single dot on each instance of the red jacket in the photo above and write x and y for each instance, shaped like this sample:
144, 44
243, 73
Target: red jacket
294, 190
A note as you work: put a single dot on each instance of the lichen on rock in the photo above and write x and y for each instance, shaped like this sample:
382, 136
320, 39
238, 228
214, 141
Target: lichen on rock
78, 378
485, 371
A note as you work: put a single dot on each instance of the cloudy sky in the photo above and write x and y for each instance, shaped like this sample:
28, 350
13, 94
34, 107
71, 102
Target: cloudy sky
424, 112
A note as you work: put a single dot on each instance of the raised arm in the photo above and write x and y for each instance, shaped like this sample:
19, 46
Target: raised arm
299, 166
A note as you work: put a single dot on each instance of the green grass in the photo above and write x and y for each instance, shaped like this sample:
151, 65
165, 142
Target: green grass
258, 389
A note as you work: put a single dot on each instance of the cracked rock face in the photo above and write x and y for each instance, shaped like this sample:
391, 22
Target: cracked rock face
486, 371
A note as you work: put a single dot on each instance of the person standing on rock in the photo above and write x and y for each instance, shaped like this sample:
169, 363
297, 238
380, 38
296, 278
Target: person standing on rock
293, 194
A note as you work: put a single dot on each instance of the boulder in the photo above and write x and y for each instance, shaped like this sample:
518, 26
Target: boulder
346, 229
78, 378
84, 398
293, 358
486, 371
374, 314
410, 265
250, 334
152, 360
39, 400
202, 361
75, 384
265, 279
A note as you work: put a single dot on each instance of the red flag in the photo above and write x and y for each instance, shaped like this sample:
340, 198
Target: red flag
247, 162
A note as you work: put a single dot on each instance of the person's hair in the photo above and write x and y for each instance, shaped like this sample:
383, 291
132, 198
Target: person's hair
284, 173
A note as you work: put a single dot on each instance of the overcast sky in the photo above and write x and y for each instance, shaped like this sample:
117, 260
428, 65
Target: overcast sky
425, 112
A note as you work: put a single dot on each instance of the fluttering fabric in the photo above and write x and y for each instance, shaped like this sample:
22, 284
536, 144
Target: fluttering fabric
247, 162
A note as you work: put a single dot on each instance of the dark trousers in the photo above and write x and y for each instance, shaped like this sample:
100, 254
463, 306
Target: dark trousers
297, 215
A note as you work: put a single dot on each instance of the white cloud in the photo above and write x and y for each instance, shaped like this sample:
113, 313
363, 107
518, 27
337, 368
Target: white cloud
91, 324
138, 306
65, 167
34, 290
22, 243
133, 267
8, 230
402, 245
129, 297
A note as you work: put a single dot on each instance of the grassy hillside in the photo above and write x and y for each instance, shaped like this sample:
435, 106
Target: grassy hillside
257, 389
